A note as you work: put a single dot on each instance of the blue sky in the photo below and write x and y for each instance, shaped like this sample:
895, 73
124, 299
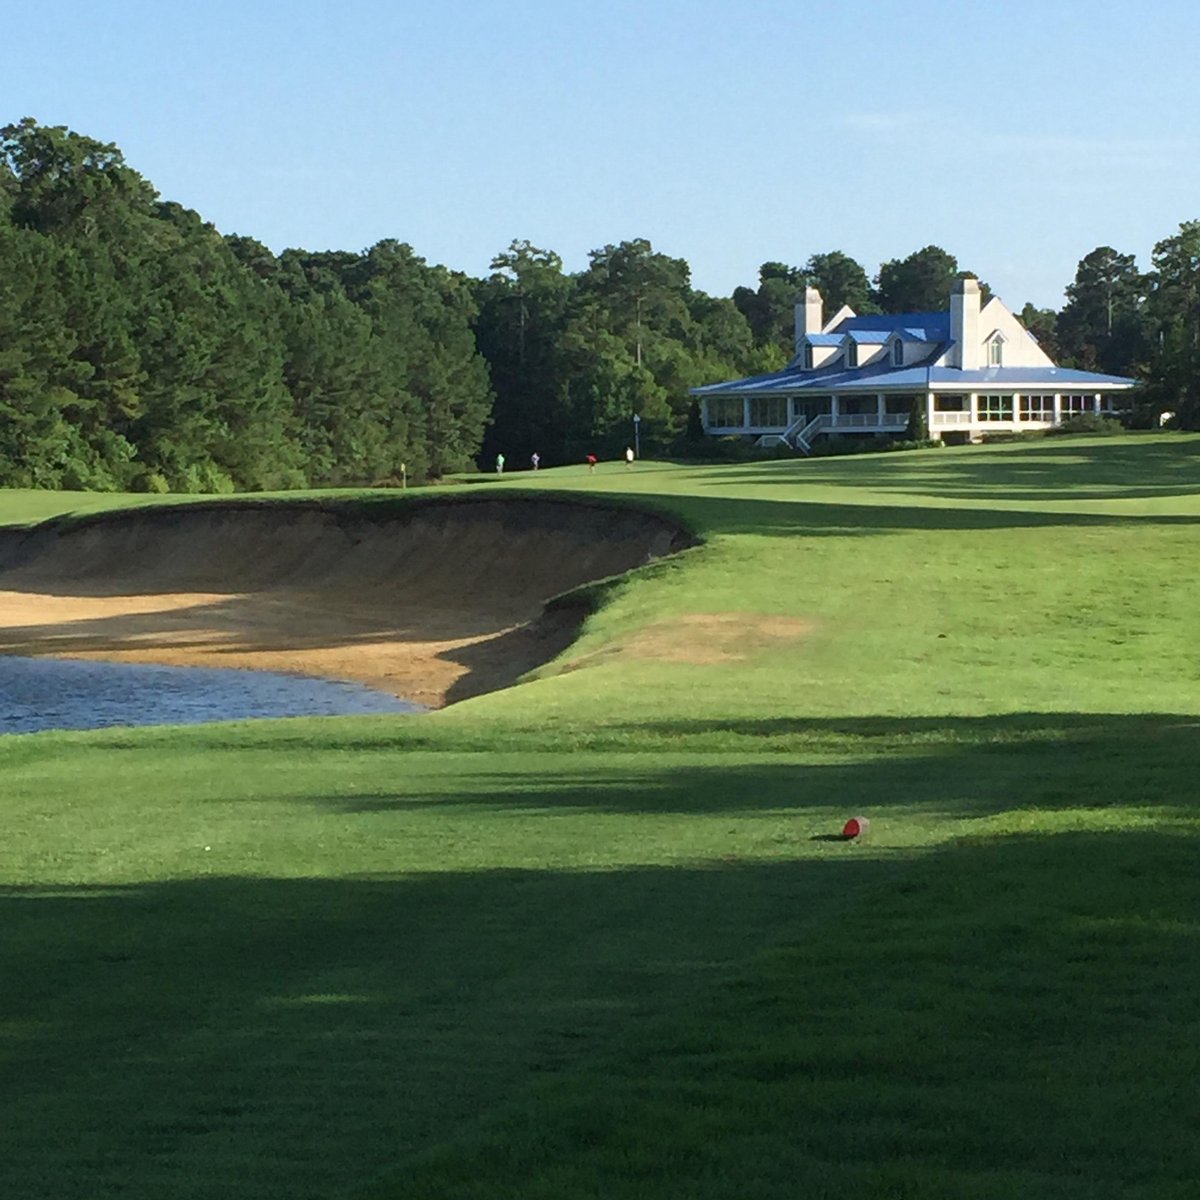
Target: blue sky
1018, 135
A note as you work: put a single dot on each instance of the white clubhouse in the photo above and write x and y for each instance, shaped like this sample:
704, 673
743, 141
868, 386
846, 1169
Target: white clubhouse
976, 370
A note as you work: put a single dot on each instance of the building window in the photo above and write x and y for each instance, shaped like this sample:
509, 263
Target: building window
1076, 404
768, 412
855, 406
995, 408
897, 353
808, 357
1037, 408
942, 402
725, 412
807, 408
995, 349
851, 354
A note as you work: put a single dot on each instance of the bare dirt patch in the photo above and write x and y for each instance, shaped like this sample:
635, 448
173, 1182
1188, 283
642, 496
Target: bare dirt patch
704, 638
433, 602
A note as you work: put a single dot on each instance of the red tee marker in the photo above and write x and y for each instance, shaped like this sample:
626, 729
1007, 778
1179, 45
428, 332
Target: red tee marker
855, 828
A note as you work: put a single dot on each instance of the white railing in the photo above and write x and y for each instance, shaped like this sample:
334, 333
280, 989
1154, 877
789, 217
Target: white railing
803, 426
871, 420
803, 438
789, 434
800, 432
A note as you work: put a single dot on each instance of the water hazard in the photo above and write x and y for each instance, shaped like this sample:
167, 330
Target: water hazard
46, 693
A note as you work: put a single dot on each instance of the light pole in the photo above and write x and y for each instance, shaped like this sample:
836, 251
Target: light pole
637, 429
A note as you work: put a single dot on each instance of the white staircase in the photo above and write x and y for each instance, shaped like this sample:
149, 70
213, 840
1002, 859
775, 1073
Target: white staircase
800, 434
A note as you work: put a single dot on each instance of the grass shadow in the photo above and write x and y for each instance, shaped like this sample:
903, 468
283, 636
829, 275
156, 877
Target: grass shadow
239, 1036
962, 767
1067, 468
803, 518
1014, 1018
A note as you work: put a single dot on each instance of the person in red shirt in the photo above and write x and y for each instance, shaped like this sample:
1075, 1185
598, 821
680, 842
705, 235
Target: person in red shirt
591, 462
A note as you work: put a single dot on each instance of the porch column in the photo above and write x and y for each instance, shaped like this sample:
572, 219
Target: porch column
880, 403
1096, 404
745, 412
1058, 408
929, 413
833, 410
704, 413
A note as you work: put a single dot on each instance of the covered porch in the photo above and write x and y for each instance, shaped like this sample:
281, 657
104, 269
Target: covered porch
798, 419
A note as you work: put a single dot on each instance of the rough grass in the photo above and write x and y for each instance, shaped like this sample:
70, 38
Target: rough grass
594, 936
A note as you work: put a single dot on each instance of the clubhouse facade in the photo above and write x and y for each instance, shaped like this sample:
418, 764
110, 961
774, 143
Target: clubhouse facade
975, 370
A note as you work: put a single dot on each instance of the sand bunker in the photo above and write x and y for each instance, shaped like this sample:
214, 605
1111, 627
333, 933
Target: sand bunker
433, 601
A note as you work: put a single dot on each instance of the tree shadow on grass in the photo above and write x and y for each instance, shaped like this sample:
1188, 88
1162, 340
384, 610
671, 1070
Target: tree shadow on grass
241, 1036
802, 518
208, 1037
1057, 469
818, 767
1014, 1017
995, 730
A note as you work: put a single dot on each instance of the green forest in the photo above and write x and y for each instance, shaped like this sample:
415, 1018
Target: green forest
141, 349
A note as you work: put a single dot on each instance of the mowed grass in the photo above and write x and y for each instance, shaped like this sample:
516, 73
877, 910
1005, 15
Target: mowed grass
595, 936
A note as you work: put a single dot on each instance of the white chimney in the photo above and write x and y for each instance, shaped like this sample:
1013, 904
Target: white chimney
808, 315
964, 325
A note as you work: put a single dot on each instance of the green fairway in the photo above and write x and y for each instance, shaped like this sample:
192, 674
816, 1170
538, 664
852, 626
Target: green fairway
595, 935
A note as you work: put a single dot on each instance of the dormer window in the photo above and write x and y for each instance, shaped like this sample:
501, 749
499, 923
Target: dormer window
995, 351
851, 354
897, 353
808, 358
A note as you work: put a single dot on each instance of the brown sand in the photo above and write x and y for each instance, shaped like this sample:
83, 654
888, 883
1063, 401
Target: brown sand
434, 601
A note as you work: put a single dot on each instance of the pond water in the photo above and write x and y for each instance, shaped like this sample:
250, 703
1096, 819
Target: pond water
47, 693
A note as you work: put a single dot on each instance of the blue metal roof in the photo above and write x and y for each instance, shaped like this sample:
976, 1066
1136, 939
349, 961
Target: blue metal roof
824, 379
925, 326
1060, 377
876, 337
930, 328
883, 376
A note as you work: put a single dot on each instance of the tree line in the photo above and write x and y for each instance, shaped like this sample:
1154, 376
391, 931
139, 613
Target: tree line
141, 349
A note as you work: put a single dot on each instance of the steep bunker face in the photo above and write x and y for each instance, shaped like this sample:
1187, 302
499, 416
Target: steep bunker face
431, 600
